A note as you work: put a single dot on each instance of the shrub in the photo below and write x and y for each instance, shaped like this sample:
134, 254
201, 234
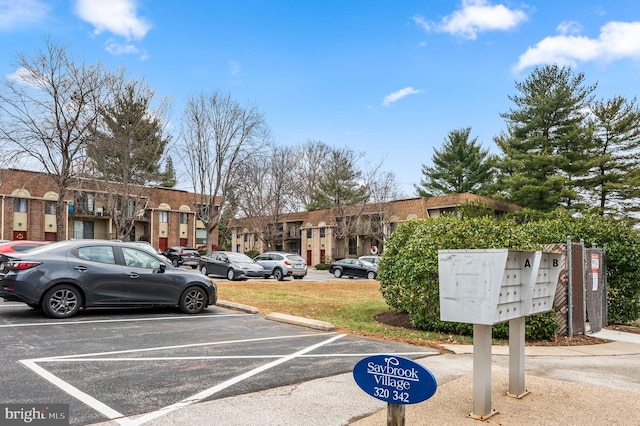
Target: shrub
322, 266
252, 253
408, 272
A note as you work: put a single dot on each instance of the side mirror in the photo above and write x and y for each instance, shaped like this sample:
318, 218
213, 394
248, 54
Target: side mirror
162, 268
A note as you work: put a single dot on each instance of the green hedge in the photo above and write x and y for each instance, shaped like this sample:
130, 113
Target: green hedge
408, 271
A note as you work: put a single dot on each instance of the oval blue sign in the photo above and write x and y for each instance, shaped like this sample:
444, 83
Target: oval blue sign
394, 379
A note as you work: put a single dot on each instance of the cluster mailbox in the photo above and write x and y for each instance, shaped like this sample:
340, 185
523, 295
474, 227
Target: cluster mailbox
486, 287
495, 285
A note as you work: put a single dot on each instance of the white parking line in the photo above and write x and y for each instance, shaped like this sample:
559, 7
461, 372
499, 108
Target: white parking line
118, 417
78, 394
49, 323
215, 389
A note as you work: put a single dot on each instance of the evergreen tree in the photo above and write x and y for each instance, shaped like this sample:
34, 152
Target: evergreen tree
341, 184
616, 135
129, 144
545, 149
460, 166
169, 174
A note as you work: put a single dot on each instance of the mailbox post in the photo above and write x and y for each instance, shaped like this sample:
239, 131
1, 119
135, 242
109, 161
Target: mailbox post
486, 287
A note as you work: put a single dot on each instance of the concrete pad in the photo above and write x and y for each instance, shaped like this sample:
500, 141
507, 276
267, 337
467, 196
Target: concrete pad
551, 402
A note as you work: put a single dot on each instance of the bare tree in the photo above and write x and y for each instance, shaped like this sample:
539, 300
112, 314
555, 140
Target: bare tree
266, 189
383, 188
309, 161
126, 150
48, 108
219, 136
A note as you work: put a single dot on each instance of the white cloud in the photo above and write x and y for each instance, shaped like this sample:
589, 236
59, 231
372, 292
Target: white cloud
23, 76
116, 48
474, 17
569, 27
396, 96
235, 68
617, 40
14, 13
115, 16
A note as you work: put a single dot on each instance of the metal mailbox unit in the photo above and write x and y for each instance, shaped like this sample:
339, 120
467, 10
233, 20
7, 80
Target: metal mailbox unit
486, 287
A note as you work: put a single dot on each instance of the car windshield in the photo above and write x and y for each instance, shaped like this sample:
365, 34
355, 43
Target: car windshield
295, 258
239, 257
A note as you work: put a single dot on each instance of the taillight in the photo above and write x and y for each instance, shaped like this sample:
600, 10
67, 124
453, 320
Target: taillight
287, 262
20, 265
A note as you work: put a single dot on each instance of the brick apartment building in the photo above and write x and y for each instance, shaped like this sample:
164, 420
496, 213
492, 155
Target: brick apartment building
320, 236
28, 212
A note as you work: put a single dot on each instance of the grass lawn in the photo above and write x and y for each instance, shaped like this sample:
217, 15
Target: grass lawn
350, 305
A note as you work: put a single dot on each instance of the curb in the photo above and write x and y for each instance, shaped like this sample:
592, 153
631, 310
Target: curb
237, 306
305, 322
275, 316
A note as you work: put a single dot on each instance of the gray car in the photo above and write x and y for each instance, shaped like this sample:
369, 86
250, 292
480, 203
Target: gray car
63, 277
230, 265
281, 265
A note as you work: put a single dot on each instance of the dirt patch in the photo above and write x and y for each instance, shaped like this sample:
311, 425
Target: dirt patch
397, 319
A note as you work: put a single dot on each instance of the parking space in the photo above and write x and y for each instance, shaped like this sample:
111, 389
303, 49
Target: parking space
135, 365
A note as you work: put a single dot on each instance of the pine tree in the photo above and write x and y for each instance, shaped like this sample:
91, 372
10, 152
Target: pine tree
545, 149
460, 166
169, 174
341, 184
616, 135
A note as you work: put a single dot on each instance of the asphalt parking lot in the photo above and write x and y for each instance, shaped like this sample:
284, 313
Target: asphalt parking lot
119, 363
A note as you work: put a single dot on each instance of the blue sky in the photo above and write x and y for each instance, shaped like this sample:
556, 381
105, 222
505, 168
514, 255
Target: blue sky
388, 78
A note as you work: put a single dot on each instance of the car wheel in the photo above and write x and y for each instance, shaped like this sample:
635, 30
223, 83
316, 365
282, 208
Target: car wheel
230, 274
62, 301
174, 262
204, 270
371, 275
193, 300
337, 273
278, 275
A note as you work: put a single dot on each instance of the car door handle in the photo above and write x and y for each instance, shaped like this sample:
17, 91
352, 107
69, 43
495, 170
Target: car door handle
133, 275
80, 268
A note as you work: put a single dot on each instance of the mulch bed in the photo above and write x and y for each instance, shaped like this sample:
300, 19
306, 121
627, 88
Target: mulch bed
398, 319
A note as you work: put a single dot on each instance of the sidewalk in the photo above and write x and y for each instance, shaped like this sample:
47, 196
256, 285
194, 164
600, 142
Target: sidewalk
569, 385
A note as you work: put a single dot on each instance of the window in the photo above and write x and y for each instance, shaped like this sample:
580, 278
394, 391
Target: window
246, 237
201, 236
20, 205
353, 249
138, 259
322, 232
184, 218
83, 230
309, 232
49, 207
164, 216
102, 254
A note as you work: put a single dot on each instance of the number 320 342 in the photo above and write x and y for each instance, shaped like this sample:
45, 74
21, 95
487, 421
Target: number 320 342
397, 396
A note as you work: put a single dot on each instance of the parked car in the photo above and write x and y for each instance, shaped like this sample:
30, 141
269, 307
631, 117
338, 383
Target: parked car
371, 259
353, 268
187, 256
63, 277
230, 265
281, 265
20, 245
